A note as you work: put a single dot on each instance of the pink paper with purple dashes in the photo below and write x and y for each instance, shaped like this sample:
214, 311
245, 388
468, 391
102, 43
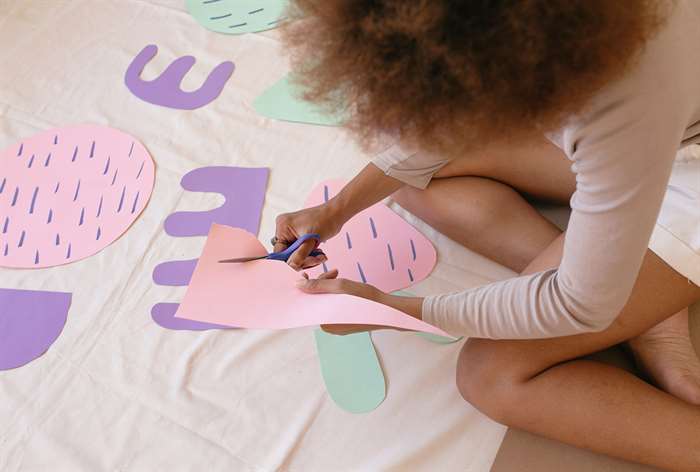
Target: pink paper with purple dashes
67, 193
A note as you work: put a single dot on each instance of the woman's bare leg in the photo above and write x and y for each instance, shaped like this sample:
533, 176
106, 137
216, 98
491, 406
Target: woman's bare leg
539, 386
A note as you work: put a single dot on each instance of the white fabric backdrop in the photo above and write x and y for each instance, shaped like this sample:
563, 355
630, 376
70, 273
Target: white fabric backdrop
116, 391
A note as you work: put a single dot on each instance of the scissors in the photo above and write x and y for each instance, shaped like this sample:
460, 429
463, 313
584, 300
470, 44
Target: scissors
282, 255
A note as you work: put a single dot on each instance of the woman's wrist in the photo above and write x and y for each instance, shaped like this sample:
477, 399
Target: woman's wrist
410, 305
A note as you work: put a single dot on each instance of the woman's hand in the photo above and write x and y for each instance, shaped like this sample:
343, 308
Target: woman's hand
329, 283
321, 220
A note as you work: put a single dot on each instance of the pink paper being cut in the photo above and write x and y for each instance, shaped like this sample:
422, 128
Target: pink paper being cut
262, 294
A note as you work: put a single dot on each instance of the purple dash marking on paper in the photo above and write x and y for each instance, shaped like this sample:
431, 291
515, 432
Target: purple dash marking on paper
31, 161
75, 154
410, 275
2, 185
131, 149
165, 90
121, 199
58, 239
77, 191
48, 159
347, 240
325, 193
14, 197
21, 239
325, 267
58, 184
391, 256
136, 200
5, 226
68, 251
36, 257
92, 150
413, 250
104, 172
7, 249
21, 148
362, 274
50, 217
374, 228
140, 170
31, 205
99, 207
55, 139
82, 217
99, 233
114, 179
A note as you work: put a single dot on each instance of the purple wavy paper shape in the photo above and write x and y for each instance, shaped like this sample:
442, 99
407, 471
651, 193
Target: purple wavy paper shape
30, 322
165, 90
244, 192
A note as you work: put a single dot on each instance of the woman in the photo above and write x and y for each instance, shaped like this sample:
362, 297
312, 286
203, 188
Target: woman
491, 102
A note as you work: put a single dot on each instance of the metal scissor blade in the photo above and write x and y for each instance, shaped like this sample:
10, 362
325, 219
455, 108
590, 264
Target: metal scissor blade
241, 259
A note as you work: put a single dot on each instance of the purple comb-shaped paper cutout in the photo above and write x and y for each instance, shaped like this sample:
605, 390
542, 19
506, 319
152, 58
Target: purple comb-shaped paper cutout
164, 315
244, 193
243, 189
165, 90
30, 321
174, 273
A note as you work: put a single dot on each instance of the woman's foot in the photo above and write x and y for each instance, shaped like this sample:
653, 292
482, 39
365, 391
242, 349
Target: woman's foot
666, 354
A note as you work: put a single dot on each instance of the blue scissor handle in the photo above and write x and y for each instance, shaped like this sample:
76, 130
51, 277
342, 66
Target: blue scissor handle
286, 254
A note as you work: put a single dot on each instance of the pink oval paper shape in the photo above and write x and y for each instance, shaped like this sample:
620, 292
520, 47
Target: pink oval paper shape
375, 246
67, 193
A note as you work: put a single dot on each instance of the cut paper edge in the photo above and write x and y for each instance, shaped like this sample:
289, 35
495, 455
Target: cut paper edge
163, 314
351, 370
213, 286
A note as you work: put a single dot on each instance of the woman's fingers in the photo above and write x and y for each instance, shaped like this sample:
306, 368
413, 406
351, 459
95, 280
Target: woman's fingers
327, 285
331, 274
296, 260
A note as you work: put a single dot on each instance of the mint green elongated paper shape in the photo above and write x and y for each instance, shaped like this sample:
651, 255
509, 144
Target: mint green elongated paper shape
429, 336
237, 16
283, 101
351, 370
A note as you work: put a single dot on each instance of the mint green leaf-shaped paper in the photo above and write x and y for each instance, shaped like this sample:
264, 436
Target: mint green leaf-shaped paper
351, 370
283, 101
238, 16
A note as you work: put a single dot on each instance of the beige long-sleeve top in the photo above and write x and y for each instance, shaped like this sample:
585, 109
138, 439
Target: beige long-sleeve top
622, 148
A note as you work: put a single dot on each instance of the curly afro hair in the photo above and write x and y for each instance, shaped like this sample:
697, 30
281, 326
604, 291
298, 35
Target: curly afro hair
451, 74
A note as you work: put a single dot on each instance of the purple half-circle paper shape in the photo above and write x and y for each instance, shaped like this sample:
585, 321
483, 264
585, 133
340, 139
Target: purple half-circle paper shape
244, 191
30, 322
165, 90
164, 315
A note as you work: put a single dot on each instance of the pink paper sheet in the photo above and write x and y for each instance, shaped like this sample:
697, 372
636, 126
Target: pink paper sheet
375, 246
262, 294
67, 193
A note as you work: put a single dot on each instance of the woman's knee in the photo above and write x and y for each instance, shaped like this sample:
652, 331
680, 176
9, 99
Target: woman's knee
491, 384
